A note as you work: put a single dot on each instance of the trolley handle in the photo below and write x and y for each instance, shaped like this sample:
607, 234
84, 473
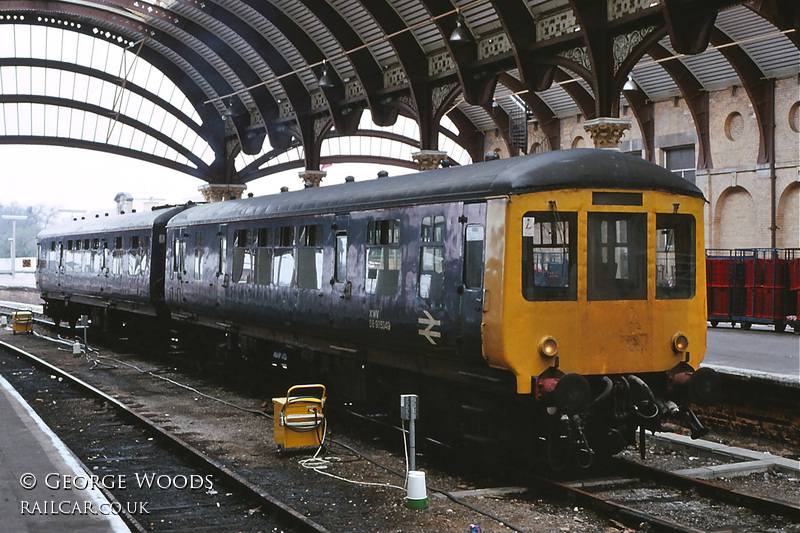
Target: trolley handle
309, 387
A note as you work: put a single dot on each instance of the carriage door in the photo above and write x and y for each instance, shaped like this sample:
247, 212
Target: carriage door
341, 284
223, 273
473, 227
178, 272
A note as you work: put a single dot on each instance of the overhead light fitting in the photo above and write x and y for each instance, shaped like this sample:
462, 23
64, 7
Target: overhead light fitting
461, 35
326, 80
630, 85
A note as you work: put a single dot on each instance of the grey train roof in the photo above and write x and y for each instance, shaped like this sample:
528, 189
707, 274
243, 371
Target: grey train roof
103, 224
563, 169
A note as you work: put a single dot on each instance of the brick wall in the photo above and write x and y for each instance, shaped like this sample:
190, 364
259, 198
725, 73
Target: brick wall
737, 187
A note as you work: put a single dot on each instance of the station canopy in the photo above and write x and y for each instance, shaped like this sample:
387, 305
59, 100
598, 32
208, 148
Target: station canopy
233, 90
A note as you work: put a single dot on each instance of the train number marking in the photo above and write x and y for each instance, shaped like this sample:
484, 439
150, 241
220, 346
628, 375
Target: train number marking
376, 323
429, 322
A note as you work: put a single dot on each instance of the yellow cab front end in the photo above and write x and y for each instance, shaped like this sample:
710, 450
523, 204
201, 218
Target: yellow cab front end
605, 288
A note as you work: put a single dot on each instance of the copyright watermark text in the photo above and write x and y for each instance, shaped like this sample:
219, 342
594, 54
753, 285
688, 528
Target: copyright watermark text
116, 482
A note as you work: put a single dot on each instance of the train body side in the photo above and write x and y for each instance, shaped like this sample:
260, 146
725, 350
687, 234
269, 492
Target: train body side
342, 282
318, 308
115, 262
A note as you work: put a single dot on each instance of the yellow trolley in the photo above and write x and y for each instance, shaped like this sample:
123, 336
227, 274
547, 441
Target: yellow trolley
22, 322
299, 417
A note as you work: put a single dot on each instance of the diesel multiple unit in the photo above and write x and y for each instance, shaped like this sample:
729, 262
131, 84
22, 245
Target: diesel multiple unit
563, 291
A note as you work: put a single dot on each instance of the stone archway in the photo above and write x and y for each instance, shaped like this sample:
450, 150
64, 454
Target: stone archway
788, 218
735, 223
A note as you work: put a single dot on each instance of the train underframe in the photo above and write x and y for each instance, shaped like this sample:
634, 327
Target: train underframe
569, 420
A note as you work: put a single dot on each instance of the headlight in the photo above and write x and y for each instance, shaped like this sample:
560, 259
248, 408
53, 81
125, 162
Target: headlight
548, 347
679, 343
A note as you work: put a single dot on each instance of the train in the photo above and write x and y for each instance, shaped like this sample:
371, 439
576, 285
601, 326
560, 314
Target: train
553, 301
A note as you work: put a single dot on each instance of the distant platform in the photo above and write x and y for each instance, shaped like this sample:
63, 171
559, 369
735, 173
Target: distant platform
33, 457
19, 279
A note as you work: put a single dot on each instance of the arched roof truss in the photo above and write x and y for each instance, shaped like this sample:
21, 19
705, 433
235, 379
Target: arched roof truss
270, 85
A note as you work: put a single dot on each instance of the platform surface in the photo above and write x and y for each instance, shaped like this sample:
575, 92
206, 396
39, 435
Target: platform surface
757, 352
29, 449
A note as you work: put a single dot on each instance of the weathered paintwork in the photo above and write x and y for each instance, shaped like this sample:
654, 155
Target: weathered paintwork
594, 337
467, 326
90, 278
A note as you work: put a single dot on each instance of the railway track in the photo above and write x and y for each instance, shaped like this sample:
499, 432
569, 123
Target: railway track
639, 494
172, 485
637, 497
643, 497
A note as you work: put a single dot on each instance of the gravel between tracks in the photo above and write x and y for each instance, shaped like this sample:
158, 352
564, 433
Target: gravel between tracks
244, 441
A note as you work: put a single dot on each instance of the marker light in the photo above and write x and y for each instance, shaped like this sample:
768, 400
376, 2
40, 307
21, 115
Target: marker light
548, 347
679, 343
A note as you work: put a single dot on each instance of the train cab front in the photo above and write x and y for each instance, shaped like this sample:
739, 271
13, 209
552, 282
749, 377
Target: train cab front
603, 316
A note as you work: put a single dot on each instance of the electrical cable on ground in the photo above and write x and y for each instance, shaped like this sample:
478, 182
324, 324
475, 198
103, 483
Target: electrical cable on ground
314, 463
172, 381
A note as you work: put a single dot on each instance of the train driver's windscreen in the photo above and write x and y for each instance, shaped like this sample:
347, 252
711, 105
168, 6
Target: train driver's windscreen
617, 256
549, 268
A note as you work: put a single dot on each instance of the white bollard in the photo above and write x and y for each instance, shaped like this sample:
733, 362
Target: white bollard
417, 493
76, 349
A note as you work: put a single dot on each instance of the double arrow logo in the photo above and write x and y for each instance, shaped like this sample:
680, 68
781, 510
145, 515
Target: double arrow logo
429, 322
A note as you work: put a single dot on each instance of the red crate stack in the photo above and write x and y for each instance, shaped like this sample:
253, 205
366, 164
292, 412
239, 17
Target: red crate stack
718, 272
771, 272
749, 266
766, 303
718, 276
719, 300
794, 274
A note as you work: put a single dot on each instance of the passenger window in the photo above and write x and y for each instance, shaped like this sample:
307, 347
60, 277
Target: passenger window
675, 257
383, 257
262, 256
242, 256
340, 258
431, 260
283, 258
53, 256
134, 257
223, 254
549, 268
116, 257
178, 250
198, 263
309, 257
41, 262
617, 256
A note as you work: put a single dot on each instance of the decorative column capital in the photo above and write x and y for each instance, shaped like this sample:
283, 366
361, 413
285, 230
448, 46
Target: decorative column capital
428, 159
607, 131
313, 176
216, 192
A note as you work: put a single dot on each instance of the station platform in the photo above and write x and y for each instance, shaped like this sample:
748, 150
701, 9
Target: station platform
35, 466
755, 353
